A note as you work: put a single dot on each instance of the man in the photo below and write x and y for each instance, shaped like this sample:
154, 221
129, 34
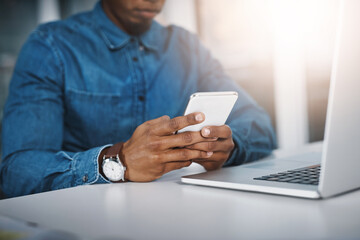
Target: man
114, 82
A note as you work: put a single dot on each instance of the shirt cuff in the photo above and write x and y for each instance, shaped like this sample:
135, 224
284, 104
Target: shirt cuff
86, 167
235, 158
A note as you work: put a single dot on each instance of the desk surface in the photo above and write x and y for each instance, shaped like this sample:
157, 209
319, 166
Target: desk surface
168, 209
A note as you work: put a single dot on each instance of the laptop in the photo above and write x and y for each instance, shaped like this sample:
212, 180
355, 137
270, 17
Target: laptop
334, 170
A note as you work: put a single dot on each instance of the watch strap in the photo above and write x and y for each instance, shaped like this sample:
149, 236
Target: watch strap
114, 151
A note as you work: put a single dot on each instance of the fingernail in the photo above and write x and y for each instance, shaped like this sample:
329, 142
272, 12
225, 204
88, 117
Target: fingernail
206, 132
199, 117
209, 154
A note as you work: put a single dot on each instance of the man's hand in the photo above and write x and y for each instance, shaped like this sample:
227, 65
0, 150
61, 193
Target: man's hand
221, 147
154, 149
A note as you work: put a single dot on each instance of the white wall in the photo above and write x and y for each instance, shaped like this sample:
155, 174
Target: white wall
179, 12
48, 10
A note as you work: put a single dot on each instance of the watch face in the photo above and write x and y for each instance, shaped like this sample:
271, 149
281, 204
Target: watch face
113, 170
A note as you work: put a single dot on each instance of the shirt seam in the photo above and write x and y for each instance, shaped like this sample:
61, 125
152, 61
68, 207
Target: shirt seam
51, 42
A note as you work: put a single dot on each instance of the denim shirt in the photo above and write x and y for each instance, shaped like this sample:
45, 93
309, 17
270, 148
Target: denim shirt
82, 84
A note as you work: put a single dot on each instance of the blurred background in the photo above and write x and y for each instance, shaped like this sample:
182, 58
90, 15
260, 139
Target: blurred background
280, 51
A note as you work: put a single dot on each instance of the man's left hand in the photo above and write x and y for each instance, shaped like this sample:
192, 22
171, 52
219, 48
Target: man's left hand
221, 148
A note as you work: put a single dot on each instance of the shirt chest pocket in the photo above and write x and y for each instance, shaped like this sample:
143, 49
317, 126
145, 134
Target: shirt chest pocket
95, 119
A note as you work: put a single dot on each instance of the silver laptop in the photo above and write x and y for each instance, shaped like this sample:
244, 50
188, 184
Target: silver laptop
336, 169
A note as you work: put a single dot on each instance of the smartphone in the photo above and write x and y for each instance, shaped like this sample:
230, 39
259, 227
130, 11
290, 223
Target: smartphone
216, 106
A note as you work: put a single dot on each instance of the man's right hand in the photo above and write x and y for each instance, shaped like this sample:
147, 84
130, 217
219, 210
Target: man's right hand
154, 149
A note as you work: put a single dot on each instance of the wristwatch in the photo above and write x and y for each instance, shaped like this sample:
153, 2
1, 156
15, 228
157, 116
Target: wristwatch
112, 167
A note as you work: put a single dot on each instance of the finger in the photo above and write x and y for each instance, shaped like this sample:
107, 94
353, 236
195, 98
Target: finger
223, 131
225, 145
215, 157
158, 120
175, 124
182, 154
176, 165
184, 139
211, 165
176, 141
150, 123
216, 161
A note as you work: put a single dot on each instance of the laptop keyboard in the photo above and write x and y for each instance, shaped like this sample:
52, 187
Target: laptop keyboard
307, 175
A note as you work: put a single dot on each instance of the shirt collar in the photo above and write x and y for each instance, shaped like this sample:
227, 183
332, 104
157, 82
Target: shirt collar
115, 38
151, 38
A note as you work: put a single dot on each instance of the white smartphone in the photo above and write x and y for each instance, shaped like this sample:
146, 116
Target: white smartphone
215, 105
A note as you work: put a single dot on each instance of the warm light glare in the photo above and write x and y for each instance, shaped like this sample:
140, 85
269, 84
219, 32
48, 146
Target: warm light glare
284, 45
245, 29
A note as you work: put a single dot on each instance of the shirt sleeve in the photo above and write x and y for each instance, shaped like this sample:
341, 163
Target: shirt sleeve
251, 126
32, 132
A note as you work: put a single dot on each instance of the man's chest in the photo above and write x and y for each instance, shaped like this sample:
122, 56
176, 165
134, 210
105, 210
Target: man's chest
109, 95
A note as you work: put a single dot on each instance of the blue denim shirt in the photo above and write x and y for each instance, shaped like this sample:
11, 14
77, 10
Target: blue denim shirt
82, 84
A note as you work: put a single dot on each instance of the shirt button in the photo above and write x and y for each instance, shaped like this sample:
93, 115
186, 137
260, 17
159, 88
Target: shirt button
85, 178
141, 48
135, 59
141, 98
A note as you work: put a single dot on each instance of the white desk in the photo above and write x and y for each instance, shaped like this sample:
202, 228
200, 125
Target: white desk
167, 209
